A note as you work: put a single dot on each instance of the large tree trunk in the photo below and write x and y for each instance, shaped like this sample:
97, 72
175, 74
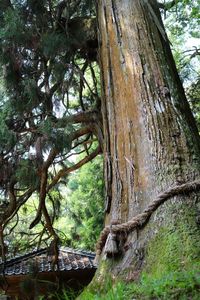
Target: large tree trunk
151, 140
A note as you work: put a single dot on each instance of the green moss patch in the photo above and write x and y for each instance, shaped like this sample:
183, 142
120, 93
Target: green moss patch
175, 247
172, 265
175, 285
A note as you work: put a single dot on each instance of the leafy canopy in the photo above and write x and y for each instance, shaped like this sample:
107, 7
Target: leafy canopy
49, 106
50, 110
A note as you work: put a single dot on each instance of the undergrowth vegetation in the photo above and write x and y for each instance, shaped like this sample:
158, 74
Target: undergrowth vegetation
180, 285
175, 285
171, 271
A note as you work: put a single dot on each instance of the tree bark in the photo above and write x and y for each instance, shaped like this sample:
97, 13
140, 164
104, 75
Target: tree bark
151, 140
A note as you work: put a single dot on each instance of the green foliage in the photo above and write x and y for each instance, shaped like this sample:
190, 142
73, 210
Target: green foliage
26, 173
171, 269
193, 93
8, 138
30, 94
19, 238
171, 254
174, 285
42, 54
14, 28
43, 63
186, 15
53, 43
64, 295
75, 211
181, 22
84, 206
60, 138
87, 8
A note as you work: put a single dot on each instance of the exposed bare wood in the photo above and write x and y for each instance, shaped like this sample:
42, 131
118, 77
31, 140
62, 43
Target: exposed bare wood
151, 141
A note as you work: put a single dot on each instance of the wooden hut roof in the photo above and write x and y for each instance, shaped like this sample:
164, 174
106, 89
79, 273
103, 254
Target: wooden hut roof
68, 260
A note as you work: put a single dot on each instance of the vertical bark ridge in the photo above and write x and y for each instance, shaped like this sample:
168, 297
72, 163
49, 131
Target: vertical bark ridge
149, 148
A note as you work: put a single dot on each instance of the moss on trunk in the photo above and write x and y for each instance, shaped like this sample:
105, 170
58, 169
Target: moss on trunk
151, 143
176, 246
170, 262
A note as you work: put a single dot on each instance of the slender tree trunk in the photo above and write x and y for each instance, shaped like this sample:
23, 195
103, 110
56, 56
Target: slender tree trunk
151, 140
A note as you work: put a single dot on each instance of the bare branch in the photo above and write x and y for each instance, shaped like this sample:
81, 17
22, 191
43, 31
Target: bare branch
81, 85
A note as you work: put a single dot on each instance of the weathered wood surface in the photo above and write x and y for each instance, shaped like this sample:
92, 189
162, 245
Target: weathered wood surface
151, 140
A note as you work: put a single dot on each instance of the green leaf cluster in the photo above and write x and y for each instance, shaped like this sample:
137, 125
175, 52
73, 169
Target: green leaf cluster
83, 205
7, 137
14, 28
193, 93
175, 285
26, 173
54, 43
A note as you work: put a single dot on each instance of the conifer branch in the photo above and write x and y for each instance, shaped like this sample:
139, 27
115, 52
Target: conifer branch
169, 5
82, 117
65, 171
43, 185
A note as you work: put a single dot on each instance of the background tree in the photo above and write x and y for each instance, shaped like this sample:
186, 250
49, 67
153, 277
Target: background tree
83, 206
77, 210
51, 107
181, 19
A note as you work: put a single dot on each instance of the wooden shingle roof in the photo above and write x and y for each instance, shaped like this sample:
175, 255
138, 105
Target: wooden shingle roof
68, 260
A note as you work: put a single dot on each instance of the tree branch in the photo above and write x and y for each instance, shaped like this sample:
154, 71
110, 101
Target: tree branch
169, 5
82, 117
21, 200
82, 131
65, 171
43, 185
12, 203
